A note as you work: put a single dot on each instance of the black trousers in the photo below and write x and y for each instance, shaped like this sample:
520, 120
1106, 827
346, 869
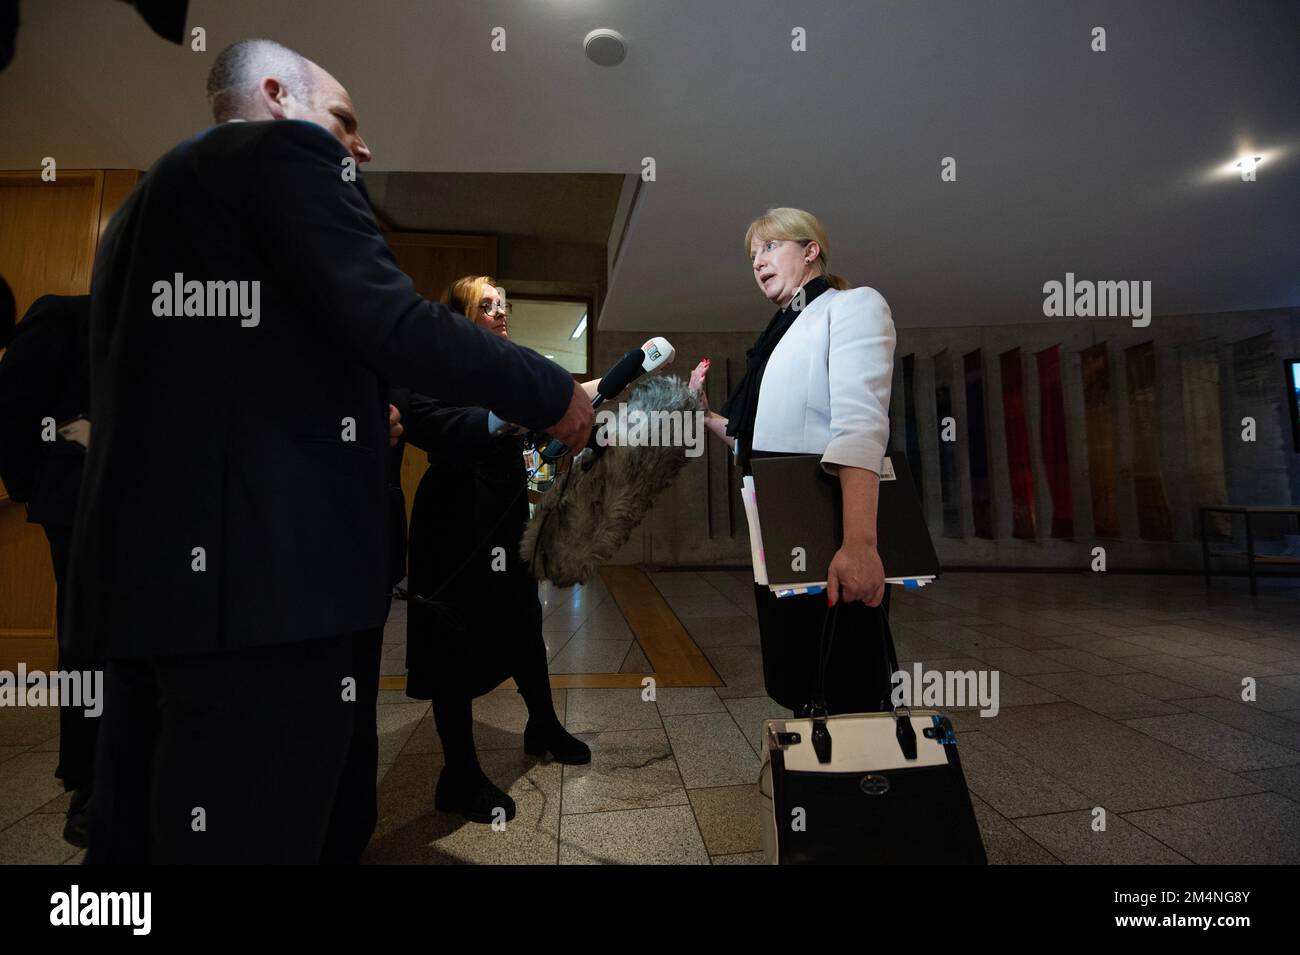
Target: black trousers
231, 757
857, 674
77, 731
356, 804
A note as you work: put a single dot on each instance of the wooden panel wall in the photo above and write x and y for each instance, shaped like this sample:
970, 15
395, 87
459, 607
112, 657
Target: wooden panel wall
433, 262
48, 234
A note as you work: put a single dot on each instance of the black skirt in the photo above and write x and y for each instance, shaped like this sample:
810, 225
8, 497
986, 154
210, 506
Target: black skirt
857, 675
486, 619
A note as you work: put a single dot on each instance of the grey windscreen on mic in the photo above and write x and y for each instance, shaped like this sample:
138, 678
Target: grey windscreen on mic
592, 509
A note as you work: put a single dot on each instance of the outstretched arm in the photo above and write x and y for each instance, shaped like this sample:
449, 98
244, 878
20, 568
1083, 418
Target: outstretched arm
316, 228
716, 424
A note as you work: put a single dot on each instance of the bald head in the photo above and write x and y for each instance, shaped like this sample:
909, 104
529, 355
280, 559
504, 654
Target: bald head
262, 80
235, 76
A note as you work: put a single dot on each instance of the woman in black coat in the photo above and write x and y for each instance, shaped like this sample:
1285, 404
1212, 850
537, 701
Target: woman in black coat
480, 620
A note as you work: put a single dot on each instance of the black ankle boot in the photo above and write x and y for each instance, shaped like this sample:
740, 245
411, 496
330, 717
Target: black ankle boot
540, 736
470, 793
76, 827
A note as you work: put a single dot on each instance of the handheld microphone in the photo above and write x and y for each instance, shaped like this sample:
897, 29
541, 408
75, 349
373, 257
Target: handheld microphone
651, 356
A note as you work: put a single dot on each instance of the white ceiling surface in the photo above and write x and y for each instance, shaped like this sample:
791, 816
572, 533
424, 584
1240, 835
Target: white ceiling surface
1068, 160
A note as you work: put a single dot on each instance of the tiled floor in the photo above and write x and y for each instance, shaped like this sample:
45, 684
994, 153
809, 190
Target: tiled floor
1118, 693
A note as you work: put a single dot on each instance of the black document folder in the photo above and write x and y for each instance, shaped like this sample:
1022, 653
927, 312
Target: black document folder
799, 507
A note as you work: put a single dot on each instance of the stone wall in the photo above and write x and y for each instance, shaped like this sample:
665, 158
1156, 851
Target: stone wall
699, 521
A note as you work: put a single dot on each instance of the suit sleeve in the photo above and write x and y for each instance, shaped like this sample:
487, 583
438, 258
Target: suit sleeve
435, 427
316, 231
860, 365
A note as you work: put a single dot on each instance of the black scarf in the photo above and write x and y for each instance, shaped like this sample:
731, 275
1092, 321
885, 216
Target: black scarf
741, 408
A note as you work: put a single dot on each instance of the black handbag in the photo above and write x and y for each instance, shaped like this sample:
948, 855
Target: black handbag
881, 788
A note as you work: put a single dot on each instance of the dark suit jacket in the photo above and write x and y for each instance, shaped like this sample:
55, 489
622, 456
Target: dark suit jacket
44, 374
400, 398
229, 438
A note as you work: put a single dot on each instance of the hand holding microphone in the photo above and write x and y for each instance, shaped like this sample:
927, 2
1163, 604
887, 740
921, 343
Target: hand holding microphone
395, 428
572, 430
651, 356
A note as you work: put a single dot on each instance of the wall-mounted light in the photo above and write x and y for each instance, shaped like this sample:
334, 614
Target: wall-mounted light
1249, 163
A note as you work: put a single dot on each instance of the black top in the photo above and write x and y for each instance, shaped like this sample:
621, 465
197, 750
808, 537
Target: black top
741, 408
45, 374
468, 517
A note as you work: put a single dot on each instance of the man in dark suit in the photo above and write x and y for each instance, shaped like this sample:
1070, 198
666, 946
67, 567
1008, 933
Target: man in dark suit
45, 380
356, 804
232, 527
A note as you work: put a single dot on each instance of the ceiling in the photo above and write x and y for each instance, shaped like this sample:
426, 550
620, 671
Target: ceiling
1106, 165
555, 207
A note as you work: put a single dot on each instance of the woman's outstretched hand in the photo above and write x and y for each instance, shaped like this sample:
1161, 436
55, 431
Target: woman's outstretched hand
712, 420
697, 382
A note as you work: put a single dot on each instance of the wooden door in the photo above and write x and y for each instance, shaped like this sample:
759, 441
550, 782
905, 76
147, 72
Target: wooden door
433, 262
48, 234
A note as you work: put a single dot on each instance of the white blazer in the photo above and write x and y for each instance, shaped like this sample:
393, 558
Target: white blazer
826, 387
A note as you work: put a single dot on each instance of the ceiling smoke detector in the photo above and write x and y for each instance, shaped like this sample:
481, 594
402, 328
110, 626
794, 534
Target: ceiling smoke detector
605, 47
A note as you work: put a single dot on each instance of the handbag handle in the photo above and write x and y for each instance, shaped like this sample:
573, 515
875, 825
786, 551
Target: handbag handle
902, 714
891, 658
824, 645
827, 641
821, 734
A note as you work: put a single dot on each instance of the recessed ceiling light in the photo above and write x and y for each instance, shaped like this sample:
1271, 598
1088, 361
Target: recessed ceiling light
605, 47
1249, 157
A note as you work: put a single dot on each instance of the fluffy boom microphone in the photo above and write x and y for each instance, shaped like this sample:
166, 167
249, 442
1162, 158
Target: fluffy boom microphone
592, 509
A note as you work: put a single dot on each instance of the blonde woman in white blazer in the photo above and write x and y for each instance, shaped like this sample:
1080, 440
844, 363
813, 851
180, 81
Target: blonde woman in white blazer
817, 381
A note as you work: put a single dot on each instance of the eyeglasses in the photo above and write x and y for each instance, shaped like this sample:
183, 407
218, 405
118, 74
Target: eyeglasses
498, 308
